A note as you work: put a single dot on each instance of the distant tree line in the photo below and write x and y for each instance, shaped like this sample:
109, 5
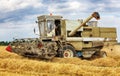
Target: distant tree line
4, 43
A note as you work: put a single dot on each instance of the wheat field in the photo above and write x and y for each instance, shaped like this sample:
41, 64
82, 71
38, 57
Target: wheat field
13, 65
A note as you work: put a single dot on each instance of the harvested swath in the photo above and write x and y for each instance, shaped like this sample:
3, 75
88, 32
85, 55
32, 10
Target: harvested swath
23, 66
12, 64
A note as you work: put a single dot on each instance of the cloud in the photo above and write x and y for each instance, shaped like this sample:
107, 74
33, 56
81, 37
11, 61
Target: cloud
68, 7
107, 5
114, 4
15, 10
11, 30
12, 5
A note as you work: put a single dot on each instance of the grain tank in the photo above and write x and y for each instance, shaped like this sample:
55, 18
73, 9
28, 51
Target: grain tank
66, 38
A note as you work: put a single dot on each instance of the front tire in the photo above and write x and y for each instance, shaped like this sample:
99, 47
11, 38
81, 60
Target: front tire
68, 51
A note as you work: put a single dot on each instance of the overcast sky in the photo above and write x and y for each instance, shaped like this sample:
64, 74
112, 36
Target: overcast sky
17, 17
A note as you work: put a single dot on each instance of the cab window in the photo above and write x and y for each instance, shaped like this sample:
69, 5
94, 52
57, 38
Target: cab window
50, 25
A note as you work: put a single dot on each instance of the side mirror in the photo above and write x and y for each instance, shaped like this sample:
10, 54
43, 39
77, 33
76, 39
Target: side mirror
35, 32
36, 21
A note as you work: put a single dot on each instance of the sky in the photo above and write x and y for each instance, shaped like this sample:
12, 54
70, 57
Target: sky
17, 17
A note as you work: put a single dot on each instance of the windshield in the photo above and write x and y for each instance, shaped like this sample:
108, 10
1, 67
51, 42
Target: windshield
50, 28
42, 29
50, 25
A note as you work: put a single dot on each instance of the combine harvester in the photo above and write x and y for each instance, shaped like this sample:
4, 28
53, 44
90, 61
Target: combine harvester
65, 38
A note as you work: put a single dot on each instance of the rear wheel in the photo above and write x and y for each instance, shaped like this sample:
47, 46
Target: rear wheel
68, 51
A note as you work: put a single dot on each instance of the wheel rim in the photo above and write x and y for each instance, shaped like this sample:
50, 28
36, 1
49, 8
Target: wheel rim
68, 53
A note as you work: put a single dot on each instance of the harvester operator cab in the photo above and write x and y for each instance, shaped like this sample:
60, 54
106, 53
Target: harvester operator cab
49, 26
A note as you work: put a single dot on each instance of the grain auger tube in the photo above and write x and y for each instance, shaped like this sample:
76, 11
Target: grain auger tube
93, 15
